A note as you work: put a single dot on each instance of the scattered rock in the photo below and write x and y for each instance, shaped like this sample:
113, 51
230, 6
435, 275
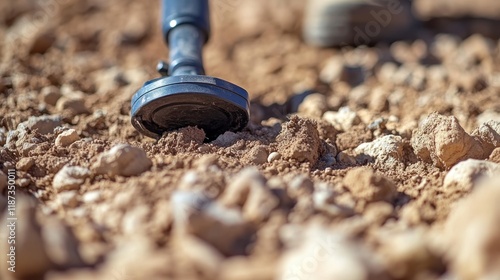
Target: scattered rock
61, 244
323, 254
67, 138
249, 192
342, 120
42, 124
123, 160
488, 115
386, 151
472, 234
442, 141
24, 164
192, 134
408, 253
225, 140
300, 186
258, 155
50, 95
488, 135
223, 228
364, 183
299, 140
68, 199
70, 178
92, 196
495, 156
273, 157
72, 106
314, 105
464, 175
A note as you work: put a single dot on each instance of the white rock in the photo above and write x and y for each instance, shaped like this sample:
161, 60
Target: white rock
273, 156
465, 174
343, 120
68, 198
70, 178
67, 138
249, 191
92, 196
324, 254
314, 105
42, 124
124, 160
387, 151
225, 140
223, 228
472, 234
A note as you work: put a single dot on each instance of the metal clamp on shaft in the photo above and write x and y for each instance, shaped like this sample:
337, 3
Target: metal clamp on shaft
184, 96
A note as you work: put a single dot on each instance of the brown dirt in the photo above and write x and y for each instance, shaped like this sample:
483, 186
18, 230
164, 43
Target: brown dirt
353, 182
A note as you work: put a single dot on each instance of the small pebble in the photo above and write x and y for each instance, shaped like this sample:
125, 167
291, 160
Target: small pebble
123, 160
68, 198
92, 196
70, 178
67, 138
273, 156
74, 106
50, 95
24, 164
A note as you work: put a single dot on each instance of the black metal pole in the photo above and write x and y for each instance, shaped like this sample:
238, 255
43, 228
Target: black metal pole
186, 28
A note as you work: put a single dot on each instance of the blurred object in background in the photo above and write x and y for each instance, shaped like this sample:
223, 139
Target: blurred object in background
457, 8
357, 22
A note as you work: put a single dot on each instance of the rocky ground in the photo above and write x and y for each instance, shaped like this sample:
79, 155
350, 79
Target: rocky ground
362, 163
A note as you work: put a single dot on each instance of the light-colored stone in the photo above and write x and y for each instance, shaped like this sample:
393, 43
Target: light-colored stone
314, 105
92, 196
464, 175
68, 198
442, 141
70, 178
472, 234
225, 140
364, 183
67, 138
342, 120
41, 124
258, 155
24, 164
323, 254
250, 192
123, 160
385, 151
74, 106
273, 157
222, 227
